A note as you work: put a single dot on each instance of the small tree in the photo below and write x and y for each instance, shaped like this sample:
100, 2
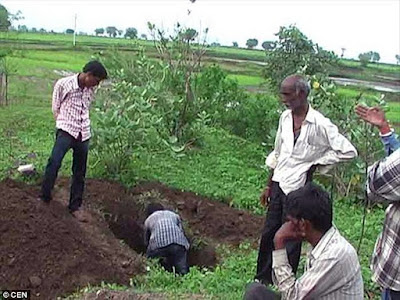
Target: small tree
131, 33
235, 44
98, 31
375, 57
22, 28
365, 58
4, 19
294, 53
68, 31
112, 31
267, 45
251, 43
398, 58
143, 36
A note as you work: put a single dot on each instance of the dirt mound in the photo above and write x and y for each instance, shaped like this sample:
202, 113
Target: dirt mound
44, 249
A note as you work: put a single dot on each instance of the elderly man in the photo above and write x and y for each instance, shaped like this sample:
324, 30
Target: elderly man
305, 140
383, 185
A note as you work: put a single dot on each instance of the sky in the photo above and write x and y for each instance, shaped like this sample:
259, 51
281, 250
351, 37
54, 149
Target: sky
356, 25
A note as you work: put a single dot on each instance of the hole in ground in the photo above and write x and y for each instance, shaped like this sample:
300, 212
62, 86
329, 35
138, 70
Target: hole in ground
126, 220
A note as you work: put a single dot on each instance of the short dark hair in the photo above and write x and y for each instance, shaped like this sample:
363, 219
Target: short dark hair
311, 203
95, 68
153, 207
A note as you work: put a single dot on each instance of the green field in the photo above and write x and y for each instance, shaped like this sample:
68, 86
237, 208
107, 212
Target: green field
227, 167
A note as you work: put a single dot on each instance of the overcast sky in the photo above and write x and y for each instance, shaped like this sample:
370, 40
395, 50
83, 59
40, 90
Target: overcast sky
357, 25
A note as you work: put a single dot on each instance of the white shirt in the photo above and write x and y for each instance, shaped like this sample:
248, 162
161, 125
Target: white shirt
332, 271
319, 143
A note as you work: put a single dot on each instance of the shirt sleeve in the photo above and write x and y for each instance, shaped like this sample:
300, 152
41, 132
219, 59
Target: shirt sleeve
340, 147
58, 96
383, 182
272, 158
391, 142
322, 278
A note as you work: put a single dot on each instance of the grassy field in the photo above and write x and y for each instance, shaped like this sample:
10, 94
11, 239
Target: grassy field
227, 168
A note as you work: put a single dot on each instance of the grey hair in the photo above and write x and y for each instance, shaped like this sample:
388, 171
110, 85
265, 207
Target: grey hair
302, 84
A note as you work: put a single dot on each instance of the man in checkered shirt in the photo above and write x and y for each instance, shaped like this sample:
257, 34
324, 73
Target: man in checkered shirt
166, 239
72, 97
383, 185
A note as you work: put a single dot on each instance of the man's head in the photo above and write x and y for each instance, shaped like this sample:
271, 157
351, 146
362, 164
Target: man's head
153, 207
92, 73
294, 91
311, 208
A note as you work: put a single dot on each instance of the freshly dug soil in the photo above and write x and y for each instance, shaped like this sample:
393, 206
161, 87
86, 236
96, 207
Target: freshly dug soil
46, 250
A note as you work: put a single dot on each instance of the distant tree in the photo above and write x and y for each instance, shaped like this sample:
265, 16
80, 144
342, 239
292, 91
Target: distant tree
215, 44
295, 53
42, 30
267, 45
22, 28
235, 44
112, 31
398, 58
143, 36
98, 31
189, 34
375, 57
33, 29
343, 49
68, 31
131, 33
4, 19
251, 43
367, 57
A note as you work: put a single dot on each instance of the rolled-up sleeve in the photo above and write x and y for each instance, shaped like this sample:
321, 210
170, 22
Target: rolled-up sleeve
340, 147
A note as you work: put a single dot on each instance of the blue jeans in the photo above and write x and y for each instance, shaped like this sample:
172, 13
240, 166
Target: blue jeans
173, 255
390, 295
64, 142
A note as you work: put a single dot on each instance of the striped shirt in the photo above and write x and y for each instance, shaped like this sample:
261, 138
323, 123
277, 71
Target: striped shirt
164, 228
384, 186
319, 143
332, 271
71, 105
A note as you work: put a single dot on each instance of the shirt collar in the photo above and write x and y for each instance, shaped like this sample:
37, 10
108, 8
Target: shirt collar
75, 84
310, 117
323, 242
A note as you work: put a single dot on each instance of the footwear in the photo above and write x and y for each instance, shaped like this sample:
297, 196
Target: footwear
80, 215
44, 200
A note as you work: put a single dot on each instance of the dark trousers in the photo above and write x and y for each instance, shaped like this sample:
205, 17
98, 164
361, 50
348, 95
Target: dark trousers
276, 216
388, 294
258, 291
173, 255
63, 143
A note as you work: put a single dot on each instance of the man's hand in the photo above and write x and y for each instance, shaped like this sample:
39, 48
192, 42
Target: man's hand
264, 198
55, 115
290, 230
372, 115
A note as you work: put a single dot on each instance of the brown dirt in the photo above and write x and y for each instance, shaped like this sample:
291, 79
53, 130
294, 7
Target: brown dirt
44, 249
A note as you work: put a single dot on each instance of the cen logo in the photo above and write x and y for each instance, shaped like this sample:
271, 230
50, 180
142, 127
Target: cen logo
15, 294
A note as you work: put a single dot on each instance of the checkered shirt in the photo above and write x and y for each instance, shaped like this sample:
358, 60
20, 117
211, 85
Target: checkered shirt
71, 105
384, 186
165, 228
